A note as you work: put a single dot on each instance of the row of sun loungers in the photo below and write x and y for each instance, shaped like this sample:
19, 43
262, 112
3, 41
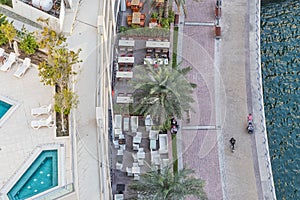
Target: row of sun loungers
49, 122
12, 60
44, 122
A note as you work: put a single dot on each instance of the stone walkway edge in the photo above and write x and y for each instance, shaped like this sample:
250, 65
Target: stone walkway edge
261, 138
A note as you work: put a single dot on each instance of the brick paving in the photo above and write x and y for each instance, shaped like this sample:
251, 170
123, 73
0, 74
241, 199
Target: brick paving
200, 148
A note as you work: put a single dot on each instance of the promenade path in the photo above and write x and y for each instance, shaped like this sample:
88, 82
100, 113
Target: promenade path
221, 71
84, 36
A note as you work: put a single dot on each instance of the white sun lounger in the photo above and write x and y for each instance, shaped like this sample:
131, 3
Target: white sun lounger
1, 52
8, 64
43, 110
23, 68
43, 123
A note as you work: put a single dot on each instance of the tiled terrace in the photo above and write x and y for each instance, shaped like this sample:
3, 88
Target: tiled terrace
18, 139
121, 87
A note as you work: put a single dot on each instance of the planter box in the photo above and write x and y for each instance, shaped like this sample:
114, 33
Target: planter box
218, 32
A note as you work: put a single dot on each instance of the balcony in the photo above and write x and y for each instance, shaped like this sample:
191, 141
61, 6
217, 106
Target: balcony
51, 7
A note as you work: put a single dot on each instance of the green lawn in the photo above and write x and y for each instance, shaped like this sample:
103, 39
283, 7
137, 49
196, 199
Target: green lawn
175, 41
174, 153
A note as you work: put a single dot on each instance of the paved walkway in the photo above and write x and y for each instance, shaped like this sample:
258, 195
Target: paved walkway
84, 36
221, 71
200, 148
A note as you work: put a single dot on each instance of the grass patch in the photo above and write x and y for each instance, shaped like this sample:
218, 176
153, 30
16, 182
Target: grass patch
6, 2
175, 42
174, 153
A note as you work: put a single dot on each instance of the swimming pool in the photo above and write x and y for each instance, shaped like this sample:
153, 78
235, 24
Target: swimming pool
4, 107
42, 175
7, 107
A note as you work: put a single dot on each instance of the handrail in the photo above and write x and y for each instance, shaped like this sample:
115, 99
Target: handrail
57, 193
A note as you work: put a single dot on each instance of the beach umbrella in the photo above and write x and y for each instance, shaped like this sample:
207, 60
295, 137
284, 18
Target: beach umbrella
16, 48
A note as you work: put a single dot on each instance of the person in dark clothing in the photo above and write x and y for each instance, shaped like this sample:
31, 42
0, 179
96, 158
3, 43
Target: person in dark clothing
232, 142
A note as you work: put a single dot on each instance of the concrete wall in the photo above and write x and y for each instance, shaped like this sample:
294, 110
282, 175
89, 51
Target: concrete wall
33, 14
106, 34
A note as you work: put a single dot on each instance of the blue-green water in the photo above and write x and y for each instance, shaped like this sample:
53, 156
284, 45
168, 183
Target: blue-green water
39, 177
280, 41
4, 107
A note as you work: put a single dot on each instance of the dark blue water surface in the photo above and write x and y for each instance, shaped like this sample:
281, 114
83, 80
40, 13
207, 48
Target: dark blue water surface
280, 56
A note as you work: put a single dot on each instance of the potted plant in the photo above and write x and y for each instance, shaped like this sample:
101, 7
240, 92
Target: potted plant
154, 16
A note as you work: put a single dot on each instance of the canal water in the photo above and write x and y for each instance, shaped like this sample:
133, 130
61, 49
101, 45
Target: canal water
280, 57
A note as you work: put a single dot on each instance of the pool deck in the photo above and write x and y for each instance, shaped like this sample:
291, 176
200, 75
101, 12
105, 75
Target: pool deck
18, 138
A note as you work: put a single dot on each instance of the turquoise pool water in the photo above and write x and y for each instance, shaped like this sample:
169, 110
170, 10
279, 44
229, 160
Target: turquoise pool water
280, 42
4, 107
39, 177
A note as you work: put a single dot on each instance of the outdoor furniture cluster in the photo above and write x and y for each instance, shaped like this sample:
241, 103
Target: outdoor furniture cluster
157, 52
121, 125
137, 18
123, 69
137, 159
7, 62
153, 136
123, 98
120, 190
125, 58
160, 157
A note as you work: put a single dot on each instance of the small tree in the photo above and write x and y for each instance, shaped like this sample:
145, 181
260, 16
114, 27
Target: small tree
56, 71
49, 38
28, 43
59, 67
65, 100
9, 32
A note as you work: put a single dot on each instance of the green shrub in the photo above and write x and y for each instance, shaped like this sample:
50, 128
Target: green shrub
171, 16
9, 32
3, 19
123, 29
28, 44
3, 39
154, 15
147, 32
6, 2
165, 23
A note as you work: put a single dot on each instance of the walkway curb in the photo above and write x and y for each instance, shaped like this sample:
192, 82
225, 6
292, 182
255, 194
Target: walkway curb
261, 137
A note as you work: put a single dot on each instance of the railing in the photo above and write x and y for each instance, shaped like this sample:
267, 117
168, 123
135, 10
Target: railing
57, 193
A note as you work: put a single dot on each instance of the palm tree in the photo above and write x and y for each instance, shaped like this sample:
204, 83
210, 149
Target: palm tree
165, 185
181, 3
160, 92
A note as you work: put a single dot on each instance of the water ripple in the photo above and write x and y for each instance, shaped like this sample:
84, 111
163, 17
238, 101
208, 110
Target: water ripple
280, 57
